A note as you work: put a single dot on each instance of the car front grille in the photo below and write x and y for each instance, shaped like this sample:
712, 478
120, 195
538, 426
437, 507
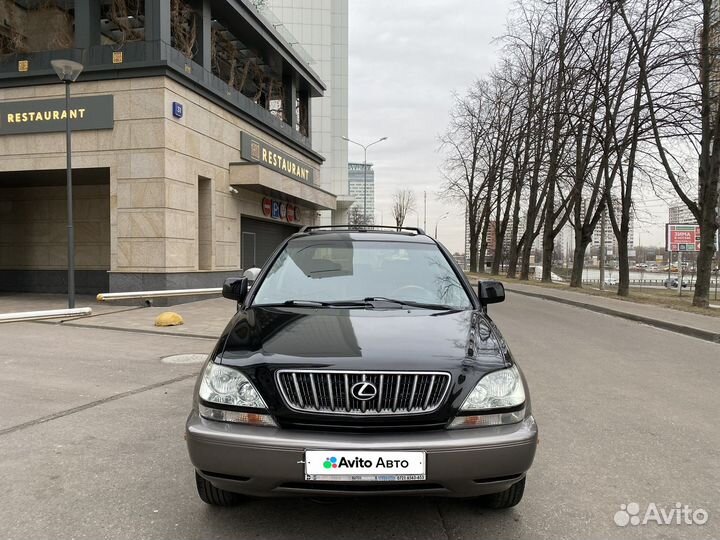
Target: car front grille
393, 392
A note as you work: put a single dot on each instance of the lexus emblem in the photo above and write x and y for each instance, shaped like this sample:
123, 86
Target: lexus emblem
363, 391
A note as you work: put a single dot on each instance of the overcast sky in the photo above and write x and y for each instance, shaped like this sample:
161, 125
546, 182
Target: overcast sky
406, 59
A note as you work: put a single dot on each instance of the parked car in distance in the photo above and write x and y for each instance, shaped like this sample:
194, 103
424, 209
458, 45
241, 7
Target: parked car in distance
361, 362
672, 283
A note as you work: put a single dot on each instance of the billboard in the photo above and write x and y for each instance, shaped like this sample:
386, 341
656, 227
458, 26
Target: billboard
681, 238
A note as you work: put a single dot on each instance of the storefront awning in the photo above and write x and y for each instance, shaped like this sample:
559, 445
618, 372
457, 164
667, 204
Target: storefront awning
257, 178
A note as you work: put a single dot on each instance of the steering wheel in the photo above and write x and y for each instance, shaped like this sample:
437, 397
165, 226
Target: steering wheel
407, 291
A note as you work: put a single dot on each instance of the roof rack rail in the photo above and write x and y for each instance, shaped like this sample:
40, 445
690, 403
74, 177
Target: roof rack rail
362, 228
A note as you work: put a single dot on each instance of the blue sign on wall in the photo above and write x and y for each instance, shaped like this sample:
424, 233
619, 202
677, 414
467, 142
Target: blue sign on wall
276, 209
177, 109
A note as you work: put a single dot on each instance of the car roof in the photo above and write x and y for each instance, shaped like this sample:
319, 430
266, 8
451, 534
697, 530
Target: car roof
363, 235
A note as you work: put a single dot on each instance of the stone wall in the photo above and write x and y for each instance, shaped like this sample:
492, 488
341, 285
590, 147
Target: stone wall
33, 228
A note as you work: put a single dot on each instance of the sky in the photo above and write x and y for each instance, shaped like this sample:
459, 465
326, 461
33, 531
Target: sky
406, 60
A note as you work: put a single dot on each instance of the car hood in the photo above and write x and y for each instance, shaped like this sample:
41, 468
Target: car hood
367, 339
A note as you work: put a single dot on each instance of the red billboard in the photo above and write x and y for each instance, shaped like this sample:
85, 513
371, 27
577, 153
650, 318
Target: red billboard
683, 238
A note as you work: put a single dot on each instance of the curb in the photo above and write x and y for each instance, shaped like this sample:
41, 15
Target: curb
706, 335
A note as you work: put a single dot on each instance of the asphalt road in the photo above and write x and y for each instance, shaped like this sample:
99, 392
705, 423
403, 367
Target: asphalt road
91, 446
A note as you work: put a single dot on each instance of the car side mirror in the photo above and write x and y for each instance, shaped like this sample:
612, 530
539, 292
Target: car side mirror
491, 292
235, 289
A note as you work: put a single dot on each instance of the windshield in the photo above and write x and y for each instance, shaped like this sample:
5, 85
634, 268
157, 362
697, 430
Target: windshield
336, 271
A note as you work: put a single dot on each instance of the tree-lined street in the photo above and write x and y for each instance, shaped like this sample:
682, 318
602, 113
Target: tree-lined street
591, 107
627, 414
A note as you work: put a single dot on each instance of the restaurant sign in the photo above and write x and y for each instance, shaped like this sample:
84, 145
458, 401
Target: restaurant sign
255, 150
49, 115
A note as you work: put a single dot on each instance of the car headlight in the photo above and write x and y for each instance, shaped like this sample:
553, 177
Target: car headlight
497, 390
227, 386
502, 389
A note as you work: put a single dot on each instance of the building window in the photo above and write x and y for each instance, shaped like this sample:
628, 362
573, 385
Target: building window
184, 22
301, 110
122, 21
246, 70
36, 27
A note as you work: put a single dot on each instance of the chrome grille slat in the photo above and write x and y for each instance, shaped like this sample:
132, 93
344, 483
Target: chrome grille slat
297, 389
329, 392
347, 394
314, 391
380, 396
429, 392
398, 380
412, 393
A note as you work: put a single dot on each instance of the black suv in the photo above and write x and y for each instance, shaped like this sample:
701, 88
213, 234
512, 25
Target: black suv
361, 362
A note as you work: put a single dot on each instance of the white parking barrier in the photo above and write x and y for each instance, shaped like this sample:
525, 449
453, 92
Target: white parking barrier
144, 295
46, 314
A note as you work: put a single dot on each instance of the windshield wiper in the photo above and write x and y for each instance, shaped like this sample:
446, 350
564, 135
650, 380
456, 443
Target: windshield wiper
299, 303
409, 303
370, 301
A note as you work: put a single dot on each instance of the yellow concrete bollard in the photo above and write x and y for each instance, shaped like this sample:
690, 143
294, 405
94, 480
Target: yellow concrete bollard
168, 318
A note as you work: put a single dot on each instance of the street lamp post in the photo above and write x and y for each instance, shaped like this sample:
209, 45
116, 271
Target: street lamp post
365, 149
446, 214
68, 72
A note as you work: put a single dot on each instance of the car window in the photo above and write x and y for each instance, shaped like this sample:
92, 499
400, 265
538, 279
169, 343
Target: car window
333, 271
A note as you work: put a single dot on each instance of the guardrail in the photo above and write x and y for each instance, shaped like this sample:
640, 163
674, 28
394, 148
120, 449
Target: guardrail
148, 295
46, 314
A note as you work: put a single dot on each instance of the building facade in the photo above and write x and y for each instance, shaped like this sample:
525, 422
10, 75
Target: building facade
319, 28
680, 214
611, 242
192, 151
361, 187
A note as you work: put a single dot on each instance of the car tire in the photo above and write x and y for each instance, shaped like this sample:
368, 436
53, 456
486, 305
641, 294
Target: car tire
505, 499
214, 496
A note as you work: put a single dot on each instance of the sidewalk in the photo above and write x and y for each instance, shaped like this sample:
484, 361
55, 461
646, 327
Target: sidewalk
700, 326
203, 319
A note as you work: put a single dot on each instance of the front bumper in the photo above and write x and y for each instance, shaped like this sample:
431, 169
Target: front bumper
263, 461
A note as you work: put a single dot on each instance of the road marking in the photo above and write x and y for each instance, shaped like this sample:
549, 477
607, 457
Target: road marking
131, 330
80, 408
191, 358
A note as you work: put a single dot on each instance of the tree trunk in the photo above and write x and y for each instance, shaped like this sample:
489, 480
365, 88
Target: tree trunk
548, 248
708, 229
624, 269
473, 250
581, 245
483, 244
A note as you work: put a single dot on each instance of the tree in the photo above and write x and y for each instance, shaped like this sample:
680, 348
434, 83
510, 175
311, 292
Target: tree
463, 143
357, 217
403, 203
682, 101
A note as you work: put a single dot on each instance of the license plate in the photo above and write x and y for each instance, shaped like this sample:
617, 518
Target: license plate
364, 466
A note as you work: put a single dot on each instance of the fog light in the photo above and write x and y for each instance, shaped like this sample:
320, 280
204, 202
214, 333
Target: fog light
237, 417
484, 420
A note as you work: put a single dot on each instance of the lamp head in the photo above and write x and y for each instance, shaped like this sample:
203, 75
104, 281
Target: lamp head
67, 70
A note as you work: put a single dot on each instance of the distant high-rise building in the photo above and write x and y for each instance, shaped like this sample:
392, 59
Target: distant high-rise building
680, 214
610, 240
319, 30
356, 189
